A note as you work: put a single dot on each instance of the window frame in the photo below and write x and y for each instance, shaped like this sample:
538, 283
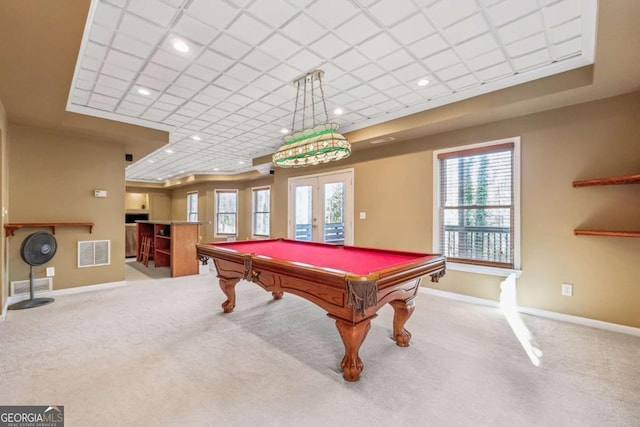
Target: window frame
471, 267
189, 213
217, 233
254, 192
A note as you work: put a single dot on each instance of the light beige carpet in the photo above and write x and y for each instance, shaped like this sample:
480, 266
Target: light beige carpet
162, 353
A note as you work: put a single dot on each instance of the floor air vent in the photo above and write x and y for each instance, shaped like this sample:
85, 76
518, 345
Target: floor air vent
94, 253
21, 287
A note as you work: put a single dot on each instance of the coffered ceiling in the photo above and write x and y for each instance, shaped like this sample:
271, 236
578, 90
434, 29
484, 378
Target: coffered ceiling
226, 99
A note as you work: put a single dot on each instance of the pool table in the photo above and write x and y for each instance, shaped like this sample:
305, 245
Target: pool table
351, 283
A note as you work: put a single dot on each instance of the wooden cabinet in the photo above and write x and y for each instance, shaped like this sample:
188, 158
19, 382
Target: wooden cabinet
614, 180
173, 245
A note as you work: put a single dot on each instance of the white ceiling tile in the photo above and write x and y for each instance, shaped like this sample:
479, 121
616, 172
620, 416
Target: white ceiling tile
119, 72
388, 12
362, 91
260, 60
510, 10
228, 82
189, 82
568, 48
433, 91
329, 46
350, 60
428, 46
159, 72
560, 12
154, 11
467, 29
252, 92
462, 82
441, 60
195, 30
477, 46
219, 14
447, 12
140, 29
532, 59
130, 45
96, 51
249, 30
411, 73
101, 35
305, 61
368, 72
452, 72
107, 100
273, 12
345, 82
279, 46
203, 73
181, 91
384, 82
168, 59
285, 73
487, 60
216, 92
566, 31
496, 71
414, 28
163, 106
378, 46
107, 15
523, 27
123, 60
214, 60
113, 82
230, 46
108, 91
390, 106
171, 99
332, 13
243, 73
357, 29
303, 29
528, 45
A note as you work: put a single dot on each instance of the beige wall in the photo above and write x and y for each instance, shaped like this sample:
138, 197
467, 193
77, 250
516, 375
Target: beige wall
4, 140
52, 177
393, 184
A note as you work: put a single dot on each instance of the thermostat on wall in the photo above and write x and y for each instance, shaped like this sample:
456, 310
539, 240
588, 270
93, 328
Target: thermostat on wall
99, 193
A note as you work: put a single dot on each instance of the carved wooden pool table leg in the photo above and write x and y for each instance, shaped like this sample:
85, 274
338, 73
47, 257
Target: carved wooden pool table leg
277, 294
402, 310
352, 336
228, 286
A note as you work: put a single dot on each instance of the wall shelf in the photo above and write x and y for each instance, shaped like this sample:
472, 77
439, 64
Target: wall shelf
9, 229
606, 233
614, 180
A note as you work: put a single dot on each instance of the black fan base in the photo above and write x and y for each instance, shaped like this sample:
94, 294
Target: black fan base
30, 303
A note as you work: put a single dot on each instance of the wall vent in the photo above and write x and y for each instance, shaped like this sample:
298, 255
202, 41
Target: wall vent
21, 287
94, 253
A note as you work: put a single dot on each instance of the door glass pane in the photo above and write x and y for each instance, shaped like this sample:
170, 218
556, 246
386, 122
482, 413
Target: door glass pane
303, 212
334, 213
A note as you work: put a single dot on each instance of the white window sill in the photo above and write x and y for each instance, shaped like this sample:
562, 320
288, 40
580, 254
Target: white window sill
482, 269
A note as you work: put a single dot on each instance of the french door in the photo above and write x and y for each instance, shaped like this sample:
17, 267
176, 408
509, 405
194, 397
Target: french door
321, 207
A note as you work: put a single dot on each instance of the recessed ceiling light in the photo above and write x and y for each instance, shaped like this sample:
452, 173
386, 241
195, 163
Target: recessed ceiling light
196, 138
159, 179
338, 111
180, 46
169, 151
241, 162
143, 91
152, 161
283, 130
181, 171
423, 82
216, 169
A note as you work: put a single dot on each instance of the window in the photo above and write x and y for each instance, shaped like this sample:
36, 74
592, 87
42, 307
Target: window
226, 212
477, 201
192, 206
261, 211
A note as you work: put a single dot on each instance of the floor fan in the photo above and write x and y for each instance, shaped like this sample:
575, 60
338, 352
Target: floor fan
36, 249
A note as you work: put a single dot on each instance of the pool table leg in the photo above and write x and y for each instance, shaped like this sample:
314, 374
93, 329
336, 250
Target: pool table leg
228, 286
352, 336
402, 310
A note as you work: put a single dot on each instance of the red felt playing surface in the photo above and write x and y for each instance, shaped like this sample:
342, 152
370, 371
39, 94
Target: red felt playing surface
355, 260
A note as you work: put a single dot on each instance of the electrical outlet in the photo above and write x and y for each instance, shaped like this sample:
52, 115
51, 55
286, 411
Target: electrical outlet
51, 271
567, 289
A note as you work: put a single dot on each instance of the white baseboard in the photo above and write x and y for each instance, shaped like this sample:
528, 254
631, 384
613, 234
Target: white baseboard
59, 292
612, 327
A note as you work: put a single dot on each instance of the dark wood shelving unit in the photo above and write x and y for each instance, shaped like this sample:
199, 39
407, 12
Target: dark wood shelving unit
9, 229
614, 180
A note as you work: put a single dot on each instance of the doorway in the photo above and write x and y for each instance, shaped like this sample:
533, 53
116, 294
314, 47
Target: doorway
321, 207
